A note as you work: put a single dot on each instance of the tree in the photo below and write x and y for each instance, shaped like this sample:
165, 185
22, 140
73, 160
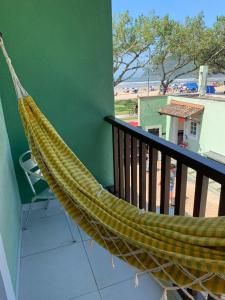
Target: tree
214, 52
131, 39
177, 47
170, 48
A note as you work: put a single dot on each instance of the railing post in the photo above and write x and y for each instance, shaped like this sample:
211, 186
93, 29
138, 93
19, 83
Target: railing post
121, 165
142, 175
127, 166
181, 186
115, 160
221, 211
165, 184
134, 170
201, 190
153, 157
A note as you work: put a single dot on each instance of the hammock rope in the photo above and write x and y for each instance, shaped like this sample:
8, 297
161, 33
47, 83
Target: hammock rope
179, 252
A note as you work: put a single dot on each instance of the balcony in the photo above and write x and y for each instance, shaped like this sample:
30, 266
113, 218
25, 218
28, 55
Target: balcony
64, 57
55, 267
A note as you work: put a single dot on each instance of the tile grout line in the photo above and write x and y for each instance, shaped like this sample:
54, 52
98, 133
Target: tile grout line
78, 242
48, 250
81, 295
100, 295
19, 257
113, 284
116, 283
88, 260
54, 248
53, 214
83, 241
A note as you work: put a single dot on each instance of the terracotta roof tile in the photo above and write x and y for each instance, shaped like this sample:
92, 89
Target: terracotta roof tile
181, 109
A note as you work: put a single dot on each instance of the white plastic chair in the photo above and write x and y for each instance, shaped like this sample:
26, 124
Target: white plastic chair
34, 175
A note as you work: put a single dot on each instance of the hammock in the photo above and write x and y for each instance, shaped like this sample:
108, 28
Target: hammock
179, 252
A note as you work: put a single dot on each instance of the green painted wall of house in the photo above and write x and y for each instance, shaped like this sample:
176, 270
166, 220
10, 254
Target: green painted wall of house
148, 111
212, 126
10, 207
62, 51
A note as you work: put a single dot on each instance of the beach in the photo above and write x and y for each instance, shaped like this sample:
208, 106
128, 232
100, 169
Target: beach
136, 89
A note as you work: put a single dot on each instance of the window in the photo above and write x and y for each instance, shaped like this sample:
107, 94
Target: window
154, 131
193, 128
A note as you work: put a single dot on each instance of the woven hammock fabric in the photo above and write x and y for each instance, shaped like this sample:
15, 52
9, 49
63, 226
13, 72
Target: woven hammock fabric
184, 251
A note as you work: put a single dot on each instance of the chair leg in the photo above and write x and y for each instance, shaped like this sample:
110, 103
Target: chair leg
28, 214
70, 225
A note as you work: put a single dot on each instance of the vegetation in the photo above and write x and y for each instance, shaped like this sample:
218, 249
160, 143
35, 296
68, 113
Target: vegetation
214, 51
125, 107
177, 47
131, 39
167, 47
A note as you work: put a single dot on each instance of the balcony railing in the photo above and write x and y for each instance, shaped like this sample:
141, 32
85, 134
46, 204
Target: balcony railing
132, 146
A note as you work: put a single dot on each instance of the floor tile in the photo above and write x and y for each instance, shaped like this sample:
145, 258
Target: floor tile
148, 289
104, 273
46, 233
91, 296
60, 274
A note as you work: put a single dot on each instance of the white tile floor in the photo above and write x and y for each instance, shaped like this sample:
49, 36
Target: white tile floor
55, 268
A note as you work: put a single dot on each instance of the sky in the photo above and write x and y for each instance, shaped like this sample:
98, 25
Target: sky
177, 9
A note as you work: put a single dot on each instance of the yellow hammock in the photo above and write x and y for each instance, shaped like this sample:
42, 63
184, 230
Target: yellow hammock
179, 251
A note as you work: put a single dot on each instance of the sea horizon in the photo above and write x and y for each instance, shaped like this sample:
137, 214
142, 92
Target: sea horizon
139, 82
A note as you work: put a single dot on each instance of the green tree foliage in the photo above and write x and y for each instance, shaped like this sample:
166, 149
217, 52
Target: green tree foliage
169, 48
131, 39
214, 51
177, 47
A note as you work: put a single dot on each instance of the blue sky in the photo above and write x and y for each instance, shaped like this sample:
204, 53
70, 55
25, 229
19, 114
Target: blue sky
177, 9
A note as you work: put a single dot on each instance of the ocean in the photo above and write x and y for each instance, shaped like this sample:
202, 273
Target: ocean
137, 83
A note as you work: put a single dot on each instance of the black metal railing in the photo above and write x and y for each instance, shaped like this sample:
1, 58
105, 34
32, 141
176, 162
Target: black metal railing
131, 148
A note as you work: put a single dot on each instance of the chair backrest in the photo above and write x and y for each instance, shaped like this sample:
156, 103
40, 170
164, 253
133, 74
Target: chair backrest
31, 169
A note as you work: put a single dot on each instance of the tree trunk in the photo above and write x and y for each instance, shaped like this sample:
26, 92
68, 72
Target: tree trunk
164, 86
164, 90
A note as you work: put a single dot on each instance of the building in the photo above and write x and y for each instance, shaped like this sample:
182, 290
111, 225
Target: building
196, 123
148, 116
186, 120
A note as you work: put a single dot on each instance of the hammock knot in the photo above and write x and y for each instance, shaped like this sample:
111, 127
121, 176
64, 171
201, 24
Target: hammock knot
112, 262
91, 242
136, 280
141, 211
164, 295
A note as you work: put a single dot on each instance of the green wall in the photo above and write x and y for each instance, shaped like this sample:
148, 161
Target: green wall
211, 127
10, 207
148, 111
62, 51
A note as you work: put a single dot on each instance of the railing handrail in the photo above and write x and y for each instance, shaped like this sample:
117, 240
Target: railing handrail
207, 167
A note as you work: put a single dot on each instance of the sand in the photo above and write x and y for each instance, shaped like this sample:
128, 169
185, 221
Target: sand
121, 95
